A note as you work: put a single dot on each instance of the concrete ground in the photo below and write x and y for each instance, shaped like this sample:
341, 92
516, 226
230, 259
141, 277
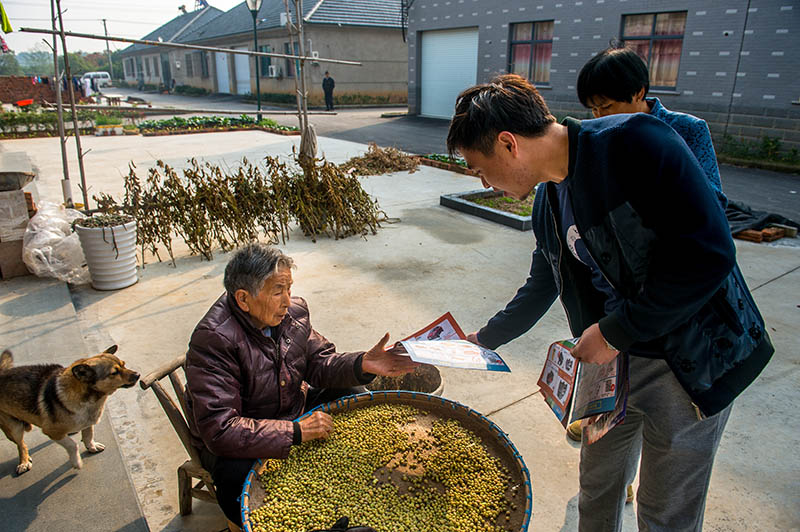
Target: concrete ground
431, 261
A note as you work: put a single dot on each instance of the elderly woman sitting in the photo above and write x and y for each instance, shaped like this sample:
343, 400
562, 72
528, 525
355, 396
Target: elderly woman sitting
248, 361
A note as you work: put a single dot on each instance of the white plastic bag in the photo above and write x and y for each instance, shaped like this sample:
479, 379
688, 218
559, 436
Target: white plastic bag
51, 249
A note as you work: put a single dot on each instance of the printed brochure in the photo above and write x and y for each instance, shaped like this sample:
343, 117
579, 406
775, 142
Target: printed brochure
558, 378
597, 394
443, 343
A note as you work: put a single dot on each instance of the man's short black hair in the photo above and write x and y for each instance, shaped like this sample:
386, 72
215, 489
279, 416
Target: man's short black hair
617, 73
507, 103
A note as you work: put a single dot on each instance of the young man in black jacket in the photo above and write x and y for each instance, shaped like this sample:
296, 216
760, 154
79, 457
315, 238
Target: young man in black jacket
637, 278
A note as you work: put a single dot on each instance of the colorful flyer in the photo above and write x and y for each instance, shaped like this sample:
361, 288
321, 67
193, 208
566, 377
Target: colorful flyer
454, 354
443, 328
598, 387
558, 377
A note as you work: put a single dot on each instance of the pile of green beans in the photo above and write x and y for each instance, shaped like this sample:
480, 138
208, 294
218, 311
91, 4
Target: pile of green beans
392, 467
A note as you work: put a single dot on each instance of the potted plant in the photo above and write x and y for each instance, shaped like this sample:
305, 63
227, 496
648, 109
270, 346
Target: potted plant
109, 245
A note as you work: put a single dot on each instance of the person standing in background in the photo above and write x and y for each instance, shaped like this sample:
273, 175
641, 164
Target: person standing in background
327, 87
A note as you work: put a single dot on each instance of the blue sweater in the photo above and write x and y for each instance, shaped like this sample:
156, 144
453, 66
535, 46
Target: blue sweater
694, 131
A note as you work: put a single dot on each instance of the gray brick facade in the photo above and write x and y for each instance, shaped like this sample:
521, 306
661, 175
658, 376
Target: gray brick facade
739, 65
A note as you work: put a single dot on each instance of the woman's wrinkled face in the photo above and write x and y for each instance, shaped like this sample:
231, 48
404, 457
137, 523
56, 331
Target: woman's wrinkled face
270, 305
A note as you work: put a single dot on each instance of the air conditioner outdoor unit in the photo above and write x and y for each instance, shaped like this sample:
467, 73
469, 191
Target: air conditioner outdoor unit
273, 71
314, 54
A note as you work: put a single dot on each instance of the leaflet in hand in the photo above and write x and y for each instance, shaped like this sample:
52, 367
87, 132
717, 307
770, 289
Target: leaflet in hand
443, 328
595, 393
454, 354
443, 343
598, 387
558, 377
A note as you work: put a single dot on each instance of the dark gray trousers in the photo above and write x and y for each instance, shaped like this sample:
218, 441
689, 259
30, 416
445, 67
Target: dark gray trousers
677, 452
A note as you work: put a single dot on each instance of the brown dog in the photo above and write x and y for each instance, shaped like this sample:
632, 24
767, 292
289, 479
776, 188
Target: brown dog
59, 400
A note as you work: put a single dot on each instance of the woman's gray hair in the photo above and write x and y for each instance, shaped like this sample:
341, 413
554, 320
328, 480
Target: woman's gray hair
253, 264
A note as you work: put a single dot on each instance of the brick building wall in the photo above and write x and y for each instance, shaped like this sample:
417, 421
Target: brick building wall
14, 88
738, 66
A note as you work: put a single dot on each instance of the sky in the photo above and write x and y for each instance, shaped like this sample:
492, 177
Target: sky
124, 18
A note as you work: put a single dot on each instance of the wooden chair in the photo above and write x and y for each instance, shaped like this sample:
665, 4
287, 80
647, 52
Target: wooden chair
192, 468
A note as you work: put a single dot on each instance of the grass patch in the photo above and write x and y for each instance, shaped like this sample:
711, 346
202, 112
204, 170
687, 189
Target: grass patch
506, 204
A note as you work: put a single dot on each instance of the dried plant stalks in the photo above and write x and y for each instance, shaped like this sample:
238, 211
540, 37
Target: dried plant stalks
379, 160
208, 206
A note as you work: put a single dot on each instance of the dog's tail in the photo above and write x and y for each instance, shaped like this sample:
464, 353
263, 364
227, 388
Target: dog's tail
6, 360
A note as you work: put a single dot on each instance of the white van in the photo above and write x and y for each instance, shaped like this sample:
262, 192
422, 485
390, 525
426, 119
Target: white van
101, 78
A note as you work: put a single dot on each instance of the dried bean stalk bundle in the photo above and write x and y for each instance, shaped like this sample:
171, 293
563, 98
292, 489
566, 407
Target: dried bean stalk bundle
210, 206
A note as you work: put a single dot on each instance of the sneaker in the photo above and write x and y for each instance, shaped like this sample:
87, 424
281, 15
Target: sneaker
574, 431
629, 498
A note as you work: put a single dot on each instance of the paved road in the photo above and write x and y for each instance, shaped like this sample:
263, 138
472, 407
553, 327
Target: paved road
760, 189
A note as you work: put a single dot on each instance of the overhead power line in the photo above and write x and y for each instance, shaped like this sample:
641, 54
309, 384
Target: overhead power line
187, 46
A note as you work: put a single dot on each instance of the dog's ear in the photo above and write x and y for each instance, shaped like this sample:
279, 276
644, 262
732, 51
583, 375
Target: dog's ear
84, 373
111, 350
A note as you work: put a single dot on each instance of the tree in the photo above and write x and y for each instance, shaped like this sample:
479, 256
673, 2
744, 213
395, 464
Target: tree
9, 66
78, 63
36, 62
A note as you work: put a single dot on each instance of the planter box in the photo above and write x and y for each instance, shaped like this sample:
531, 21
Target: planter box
447, 166
457, 202
161, 132
107, 131
278, 131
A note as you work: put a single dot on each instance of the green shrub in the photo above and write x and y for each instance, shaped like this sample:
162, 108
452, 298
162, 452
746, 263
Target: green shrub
208, 122
446, 159
273, 97
111, 119
188, 90
15, 124
770, 149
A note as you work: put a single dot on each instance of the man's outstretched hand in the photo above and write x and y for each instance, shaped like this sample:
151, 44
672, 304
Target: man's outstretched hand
387, 363
473, 337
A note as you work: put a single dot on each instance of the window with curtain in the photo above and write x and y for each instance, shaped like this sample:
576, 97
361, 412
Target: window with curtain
532, 50
203, 64
658, 39
291, 66
265, 62
187, 58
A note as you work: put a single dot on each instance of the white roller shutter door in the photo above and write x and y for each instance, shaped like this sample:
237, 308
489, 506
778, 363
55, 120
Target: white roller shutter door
223, 79
449, 65
241, 65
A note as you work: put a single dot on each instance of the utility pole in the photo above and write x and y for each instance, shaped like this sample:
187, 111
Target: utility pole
75, 123
66, 189
108, 52
308, 136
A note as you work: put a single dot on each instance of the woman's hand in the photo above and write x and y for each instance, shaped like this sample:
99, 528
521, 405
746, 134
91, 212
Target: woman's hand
317, 425
387, 363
